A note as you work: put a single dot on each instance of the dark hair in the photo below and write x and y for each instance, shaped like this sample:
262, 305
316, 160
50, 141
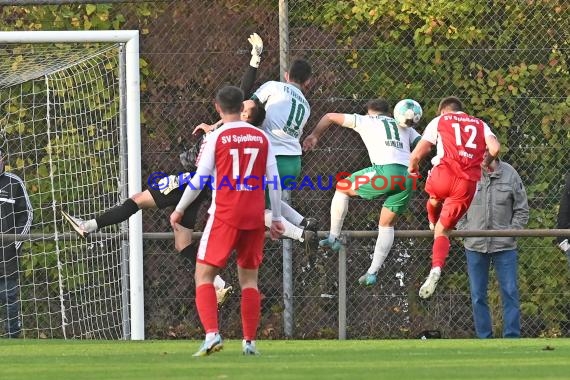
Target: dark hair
378, 105
300, 71
451, 103
230, 99
257, 114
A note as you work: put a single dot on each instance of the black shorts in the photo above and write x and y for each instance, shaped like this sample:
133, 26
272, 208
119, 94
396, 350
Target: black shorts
171, 200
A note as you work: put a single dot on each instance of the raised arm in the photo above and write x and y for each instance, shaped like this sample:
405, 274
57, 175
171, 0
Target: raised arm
326, 121
248, 79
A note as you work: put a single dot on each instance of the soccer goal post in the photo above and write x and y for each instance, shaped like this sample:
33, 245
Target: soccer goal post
70, 129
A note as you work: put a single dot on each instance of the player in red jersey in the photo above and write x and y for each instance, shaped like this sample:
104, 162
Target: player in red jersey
461, 142
238, 158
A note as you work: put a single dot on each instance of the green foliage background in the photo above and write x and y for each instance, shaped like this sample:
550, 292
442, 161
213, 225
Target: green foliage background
507, 59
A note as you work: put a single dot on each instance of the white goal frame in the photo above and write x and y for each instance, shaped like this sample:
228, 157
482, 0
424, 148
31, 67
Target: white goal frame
132, 103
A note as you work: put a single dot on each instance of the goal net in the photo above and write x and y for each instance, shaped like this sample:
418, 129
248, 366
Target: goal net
63, 131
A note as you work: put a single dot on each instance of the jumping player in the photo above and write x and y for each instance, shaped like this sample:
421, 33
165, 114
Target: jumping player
389, 142
461, 142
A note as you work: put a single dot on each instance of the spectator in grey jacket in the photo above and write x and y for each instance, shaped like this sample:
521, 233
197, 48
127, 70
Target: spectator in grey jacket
500, 203
15, 218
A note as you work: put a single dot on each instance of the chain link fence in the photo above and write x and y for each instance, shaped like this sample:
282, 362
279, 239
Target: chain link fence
507, 60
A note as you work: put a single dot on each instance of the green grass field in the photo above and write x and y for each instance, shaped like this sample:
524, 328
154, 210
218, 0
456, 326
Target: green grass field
324, 359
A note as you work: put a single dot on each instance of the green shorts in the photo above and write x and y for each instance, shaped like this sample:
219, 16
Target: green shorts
392, 180
289, 168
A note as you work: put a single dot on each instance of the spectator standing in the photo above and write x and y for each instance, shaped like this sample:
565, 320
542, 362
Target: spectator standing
15, 218
499, 203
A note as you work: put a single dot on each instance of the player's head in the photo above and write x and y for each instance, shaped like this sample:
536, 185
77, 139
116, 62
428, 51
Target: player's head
487, 154
408, 113
253, 112
229, 100
377, 107
299, 72
450, 104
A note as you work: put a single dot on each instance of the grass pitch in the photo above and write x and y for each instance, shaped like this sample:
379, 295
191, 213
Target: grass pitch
323, 359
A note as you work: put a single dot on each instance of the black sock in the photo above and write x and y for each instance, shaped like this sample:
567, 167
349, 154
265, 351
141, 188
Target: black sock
117, 214
189, 253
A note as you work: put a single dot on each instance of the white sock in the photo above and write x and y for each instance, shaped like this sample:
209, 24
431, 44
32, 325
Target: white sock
435, 270
89, 225
291, 214
291, 230
384, 243
564, 245
219, 283
211, 335
339, 208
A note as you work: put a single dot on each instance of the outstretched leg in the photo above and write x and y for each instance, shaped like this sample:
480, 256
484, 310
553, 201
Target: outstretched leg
111, 216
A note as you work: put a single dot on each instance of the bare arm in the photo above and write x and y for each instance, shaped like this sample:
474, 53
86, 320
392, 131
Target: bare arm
421, 150
326, 121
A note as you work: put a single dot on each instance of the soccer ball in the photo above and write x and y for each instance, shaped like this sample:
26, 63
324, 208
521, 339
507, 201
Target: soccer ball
407, 113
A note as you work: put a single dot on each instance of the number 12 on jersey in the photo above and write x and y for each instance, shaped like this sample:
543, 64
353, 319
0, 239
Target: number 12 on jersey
468, 128
252, 152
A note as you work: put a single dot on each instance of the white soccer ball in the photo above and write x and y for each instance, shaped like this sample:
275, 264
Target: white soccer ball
407, 113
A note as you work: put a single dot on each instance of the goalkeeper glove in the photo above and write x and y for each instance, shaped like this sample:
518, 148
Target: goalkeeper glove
172, 182
256, 49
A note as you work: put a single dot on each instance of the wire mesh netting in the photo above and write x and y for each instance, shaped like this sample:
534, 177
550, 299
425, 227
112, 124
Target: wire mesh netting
60, 134
508, 62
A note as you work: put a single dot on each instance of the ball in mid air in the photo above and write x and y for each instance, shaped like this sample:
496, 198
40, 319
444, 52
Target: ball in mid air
407, 113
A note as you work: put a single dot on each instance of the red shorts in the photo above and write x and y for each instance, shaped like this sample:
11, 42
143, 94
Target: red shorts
220, 239
455, 192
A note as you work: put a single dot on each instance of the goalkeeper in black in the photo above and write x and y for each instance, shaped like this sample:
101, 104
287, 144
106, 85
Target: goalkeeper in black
167, 192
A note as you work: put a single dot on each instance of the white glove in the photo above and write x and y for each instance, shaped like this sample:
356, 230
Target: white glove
565, 246
167, 184
256, 49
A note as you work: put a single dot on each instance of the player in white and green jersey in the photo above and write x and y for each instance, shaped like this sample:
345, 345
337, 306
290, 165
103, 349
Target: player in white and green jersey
389, 143
286, 113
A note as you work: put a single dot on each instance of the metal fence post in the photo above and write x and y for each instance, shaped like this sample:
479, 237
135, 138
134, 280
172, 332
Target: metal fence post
287, 244
342, 293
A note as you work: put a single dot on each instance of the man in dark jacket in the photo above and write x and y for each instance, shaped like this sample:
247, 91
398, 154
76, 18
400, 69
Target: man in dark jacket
15, 218
500, 203
564, 218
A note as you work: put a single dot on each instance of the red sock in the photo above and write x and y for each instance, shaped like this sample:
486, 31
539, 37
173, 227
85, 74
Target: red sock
207, 307
433, 212
440, 251
250, 311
